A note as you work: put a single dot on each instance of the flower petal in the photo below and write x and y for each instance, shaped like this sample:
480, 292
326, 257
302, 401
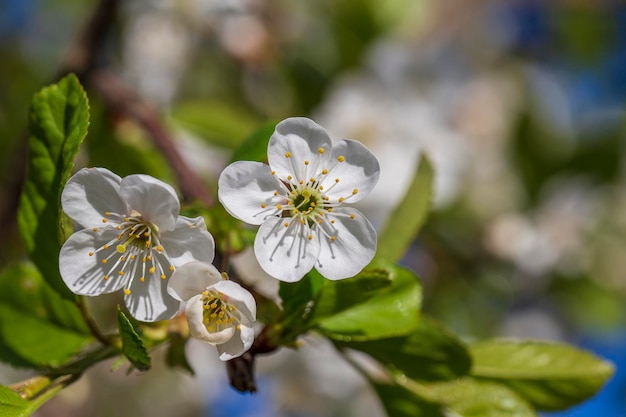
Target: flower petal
194, 311
90, 193
353, 249
149, 300
239, 297
243, 186
155, 200
238, 344
191, 279
301, 139
189, 241
359, 170
84, 274
285, 252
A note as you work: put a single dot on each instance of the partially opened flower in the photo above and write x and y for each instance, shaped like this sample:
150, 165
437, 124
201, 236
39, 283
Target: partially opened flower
133, 239
299, 202
219, 312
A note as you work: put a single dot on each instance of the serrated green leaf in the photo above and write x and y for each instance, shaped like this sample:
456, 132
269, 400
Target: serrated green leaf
37, 327
551, 376
254, 147
133, 346
59, 118
12, 405
400, 402
176, 356
429, 353
391, 311
408, 217
470, 398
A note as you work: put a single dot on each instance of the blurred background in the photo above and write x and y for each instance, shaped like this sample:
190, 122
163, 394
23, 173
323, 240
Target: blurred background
518, 103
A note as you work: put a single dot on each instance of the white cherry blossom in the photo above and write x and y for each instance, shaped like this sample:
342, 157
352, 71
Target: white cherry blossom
219, 312
299, 202
132, 239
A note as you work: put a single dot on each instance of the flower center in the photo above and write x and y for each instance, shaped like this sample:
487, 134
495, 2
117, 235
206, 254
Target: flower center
218, 314
307, 202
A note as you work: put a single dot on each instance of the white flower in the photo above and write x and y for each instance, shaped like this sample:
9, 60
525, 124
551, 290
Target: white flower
219, 312
133, 238
298, 200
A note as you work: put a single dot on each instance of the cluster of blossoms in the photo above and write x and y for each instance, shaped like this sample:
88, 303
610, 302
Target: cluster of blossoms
132, 237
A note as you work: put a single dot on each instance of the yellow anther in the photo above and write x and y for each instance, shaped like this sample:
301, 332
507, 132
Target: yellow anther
127, 291
105, 277
171, 267
321, 187
306, 162
312, 204
352, 216
341, 199
341, 158
356, 190
286, 224
321, 150
119, 237
263, 205
336, 179
123, 259
90, 253
126, 219
311, 180
333, 238
301, 182
324, 171
104, 220
118, 227
143, 259
221, 314
214, 305
329, 209
104, 261
105, 247
275, 193
212, 315
279, 206
302, 221
332, 221
152, 269
146, 234
289, 177
205, 293
142, 279
287, 154
310, 237
163, 276
320, 221
149, 257
95, 229
120, 273
210, 328
273, 172
147, 245
107, 213
160, 248
132, 257
232, 307
239, 327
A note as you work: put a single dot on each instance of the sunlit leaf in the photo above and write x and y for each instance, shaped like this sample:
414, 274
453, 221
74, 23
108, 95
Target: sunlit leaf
428, 353
37, 327
551, 376
59, 118
407, 218
133, 346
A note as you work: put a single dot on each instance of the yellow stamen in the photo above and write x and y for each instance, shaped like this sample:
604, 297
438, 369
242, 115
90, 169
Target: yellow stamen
287, 154
352, 216
263, 205
341, 158
127, 291
321, 150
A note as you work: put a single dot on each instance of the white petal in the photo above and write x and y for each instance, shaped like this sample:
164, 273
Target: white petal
301, 138
237, 345
243, 186
191, 279
155, 200
239, 297
285, 252
90, 193
84, 274
189, 241
149, 300
194, 312
359, 170
353, 249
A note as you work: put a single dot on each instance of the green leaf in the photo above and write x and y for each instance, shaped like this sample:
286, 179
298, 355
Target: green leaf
400, 402
408, 217
12, 405
37, 327
430, 353
133, 346
470, 398
390, 311
59, 118
176, 356
254, 147
551, 376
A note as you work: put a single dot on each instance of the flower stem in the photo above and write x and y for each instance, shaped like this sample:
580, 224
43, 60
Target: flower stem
91, 323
